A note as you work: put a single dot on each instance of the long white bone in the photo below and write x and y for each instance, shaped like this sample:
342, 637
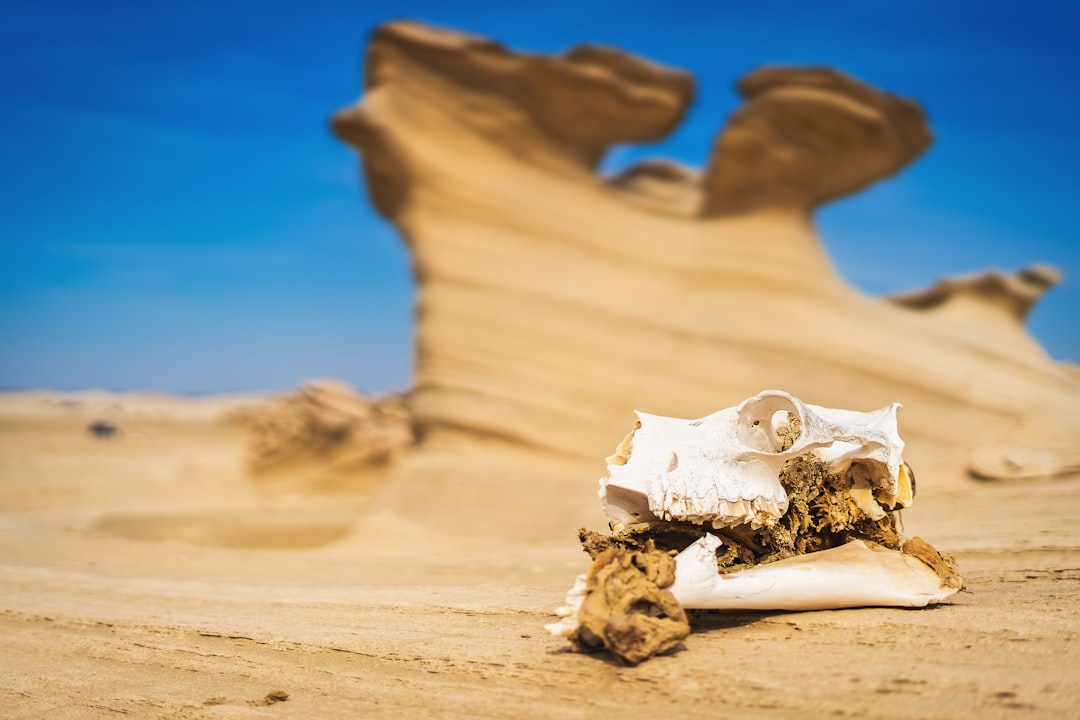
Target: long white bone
851, 575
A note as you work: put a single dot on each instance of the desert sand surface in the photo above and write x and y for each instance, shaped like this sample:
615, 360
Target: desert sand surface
149, 574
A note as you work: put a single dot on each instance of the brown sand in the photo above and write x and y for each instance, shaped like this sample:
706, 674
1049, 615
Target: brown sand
147, 575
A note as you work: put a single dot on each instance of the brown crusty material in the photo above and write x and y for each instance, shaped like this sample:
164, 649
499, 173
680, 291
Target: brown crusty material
627, 608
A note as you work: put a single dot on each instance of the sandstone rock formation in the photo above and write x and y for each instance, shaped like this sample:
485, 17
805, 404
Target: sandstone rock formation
1014, 293
807, 136
551, 302
325, 424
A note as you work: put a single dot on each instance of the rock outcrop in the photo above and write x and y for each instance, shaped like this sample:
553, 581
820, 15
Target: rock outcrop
552, 302
1013, 293
325, 424
807, 136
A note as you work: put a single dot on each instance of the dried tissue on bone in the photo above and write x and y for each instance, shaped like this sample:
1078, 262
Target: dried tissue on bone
723, 471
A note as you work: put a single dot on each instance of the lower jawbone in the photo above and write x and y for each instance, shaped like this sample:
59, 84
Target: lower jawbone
770, 505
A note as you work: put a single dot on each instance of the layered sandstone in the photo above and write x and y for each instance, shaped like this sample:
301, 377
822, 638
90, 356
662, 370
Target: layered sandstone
552, 302
323, 426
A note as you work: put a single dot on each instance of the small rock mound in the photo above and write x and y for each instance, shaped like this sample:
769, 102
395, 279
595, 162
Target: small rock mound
102, 428
326, 421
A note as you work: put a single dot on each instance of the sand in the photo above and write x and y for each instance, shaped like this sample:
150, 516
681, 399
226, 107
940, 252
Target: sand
148, 574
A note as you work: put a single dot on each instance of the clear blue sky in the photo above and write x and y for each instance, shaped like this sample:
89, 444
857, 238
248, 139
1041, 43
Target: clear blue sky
175, 215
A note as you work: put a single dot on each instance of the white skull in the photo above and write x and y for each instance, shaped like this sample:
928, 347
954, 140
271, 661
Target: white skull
724, 469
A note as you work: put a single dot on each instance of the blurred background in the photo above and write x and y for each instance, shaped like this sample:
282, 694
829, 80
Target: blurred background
175, 215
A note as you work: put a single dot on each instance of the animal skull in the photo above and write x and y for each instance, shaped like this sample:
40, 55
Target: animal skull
837, 546
723, 469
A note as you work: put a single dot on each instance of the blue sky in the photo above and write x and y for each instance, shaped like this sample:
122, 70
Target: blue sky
175, 214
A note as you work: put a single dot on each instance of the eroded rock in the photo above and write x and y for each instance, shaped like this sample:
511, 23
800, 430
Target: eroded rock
807, 136
326, 422
1014, 293
552, 302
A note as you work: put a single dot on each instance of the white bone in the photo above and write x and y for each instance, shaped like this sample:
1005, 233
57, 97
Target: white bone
851, 575
723, 469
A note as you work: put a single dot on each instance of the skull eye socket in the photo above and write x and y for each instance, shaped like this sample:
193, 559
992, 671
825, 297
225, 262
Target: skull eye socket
770, 424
